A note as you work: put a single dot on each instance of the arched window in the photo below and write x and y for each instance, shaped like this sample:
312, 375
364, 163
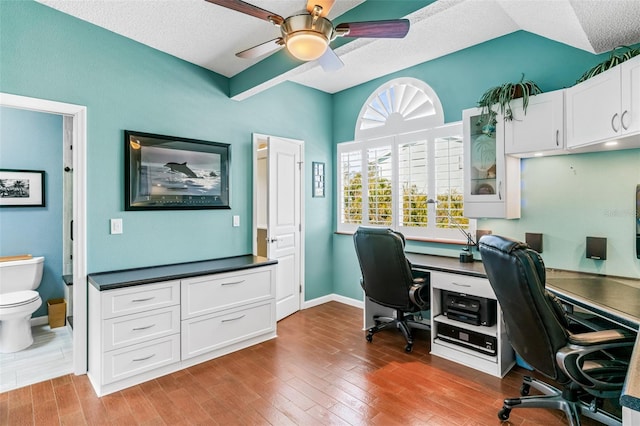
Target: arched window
399, 106
405, 168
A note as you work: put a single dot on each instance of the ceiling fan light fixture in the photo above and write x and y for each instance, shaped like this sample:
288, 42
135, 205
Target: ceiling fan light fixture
306, 45
307, 37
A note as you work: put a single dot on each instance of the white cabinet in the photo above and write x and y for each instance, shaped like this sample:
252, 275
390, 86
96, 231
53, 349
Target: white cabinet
222, 311
467, 344
538, 132
145, 331
133, 331
492, 179
605, 108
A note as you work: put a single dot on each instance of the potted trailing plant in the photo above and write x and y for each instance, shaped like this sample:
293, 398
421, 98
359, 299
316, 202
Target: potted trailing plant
502, 96
615, 58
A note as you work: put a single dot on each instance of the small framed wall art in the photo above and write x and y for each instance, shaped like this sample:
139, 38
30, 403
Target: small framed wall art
22, 188
318, 179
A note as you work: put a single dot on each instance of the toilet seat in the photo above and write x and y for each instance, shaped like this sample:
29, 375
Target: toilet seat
18, 298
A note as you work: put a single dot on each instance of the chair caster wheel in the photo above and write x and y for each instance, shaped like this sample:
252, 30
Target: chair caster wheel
369, 338
504, 413
524, 389
408, 348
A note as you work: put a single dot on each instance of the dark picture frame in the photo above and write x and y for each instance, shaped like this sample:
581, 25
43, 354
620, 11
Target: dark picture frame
318, 180
175, 173
22, 188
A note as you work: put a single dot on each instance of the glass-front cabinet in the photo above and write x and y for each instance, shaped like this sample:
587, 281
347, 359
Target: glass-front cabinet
492, 180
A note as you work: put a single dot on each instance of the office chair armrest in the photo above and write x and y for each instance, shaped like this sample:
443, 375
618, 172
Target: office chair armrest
420, 276
577, 362
419, 294
601, 337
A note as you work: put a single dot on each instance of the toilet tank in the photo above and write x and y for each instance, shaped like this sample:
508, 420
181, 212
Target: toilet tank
17, 275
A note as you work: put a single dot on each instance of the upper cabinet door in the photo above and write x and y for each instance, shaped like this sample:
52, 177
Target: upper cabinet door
630, 112
605, 108
593, 107
540, 130
492, 180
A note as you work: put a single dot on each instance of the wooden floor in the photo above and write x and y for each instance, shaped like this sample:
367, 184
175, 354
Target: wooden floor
318, 371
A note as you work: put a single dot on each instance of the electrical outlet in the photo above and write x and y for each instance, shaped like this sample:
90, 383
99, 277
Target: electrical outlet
236, 221
116, 226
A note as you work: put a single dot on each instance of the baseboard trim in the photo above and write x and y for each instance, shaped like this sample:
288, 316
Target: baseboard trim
333, 298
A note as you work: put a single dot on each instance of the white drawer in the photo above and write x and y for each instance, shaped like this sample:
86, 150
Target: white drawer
137, 359
205, 295
462, 284
210, 332
136, 328
140, 298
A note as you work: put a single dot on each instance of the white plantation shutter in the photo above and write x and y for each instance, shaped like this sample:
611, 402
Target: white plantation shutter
406, 157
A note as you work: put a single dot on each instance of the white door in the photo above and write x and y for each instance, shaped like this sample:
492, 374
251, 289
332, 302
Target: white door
284, 220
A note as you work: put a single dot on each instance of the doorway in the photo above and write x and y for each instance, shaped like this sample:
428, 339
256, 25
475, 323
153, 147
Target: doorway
75, 120
278, 215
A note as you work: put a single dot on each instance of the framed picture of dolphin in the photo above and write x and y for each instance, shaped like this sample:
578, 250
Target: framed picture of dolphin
175, 173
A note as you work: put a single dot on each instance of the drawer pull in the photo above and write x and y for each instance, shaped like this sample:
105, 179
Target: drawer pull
233, 319
143, 328
461, 285
233, 282
145, 358
143, 300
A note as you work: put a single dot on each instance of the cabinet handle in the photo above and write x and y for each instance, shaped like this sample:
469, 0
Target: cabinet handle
145, 358
622, 119
461, 285
500, 190
233, 319
613, 123
557, 137
233, 282
143, 328
143, 300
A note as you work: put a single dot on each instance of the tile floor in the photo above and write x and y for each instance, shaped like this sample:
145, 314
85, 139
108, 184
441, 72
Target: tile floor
50, 356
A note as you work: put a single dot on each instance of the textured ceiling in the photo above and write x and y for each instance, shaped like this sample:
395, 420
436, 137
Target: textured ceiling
209, 35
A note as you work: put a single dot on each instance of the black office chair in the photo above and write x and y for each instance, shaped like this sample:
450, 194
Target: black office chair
388, 280
582, 364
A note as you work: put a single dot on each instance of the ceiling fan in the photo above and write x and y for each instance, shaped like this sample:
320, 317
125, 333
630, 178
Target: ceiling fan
308, 34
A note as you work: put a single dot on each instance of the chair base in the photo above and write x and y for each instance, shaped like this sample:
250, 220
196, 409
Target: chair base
556, 399
404, 322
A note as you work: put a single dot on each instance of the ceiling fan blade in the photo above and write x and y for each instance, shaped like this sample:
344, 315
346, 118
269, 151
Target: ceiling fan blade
329, 61
326, 6
262, 49
249, 9
393, 28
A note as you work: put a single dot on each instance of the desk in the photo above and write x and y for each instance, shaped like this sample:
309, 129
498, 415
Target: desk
615, 299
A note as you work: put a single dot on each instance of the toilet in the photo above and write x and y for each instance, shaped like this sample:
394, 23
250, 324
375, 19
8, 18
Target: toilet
18, 301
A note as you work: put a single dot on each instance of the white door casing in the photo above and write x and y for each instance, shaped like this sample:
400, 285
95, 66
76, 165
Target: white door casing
285, 210
78, 115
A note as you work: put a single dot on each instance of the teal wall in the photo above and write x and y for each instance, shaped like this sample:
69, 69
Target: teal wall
566, 198
126, 85
33, 141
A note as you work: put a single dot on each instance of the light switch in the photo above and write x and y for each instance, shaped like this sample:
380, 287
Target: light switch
116, 226
236, 220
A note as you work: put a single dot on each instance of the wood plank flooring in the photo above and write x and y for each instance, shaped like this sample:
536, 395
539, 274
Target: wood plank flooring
318, 371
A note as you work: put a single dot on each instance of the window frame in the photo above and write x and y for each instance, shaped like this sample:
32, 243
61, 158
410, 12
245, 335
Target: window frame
431, 232
395, 105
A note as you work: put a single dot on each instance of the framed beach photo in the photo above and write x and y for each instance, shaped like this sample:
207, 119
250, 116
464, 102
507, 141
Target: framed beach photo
174, 173
22, 188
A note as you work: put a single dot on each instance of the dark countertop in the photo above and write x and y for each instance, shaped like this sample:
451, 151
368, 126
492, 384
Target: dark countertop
132, 277
621, 305
67, 279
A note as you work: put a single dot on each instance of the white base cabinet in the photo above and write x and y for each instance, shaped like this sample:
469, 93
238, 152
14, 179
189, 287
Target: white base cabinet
145, 331
496, 365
